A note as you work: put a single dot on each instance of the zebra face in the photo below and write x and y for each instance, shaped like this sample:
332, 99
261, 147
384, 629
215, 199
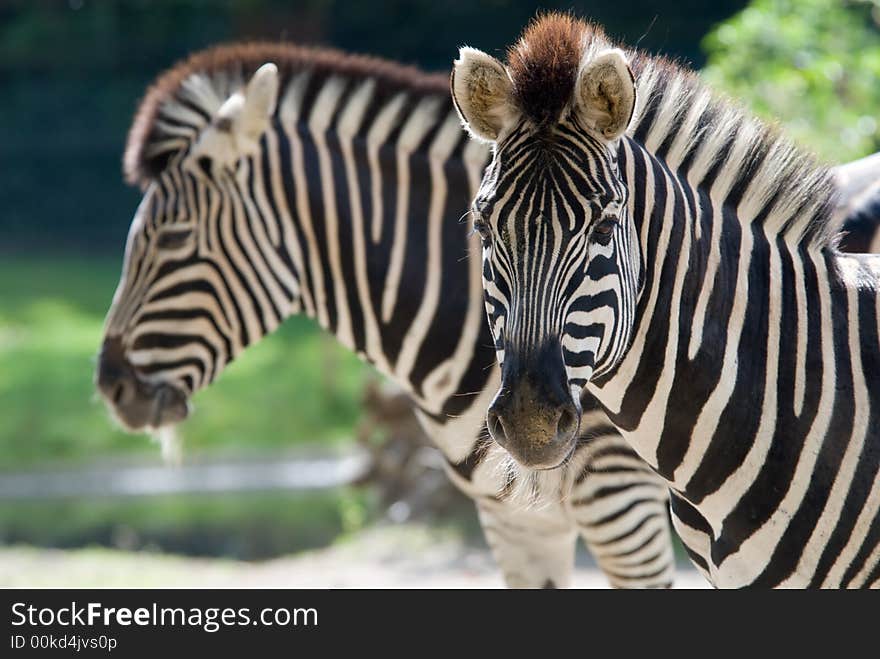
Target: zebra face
561, 260
196, 285
560, 275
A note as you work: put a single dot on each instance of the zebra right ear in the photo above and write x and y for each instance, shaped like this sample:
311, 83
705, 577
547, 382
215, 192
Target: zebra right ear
481, 90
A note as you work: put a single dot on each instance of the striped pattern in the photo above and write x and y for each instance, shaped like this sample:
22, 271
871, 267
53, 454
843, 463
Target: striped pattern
539, 208
751, 375
350, 213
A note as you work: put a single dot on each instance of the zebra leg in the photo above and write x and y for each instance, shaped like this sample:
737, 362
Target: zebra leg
695, 533
533, 549
642, 559
619, 506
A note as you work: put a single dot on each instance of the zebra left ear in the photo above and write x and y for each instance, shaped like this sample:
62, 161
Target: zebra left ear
605, 94
236, 129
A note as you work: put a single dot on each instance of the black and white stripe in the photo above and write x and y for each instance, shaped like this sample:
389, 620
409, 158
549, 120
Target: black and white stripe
348, 211
751, 375
536, 286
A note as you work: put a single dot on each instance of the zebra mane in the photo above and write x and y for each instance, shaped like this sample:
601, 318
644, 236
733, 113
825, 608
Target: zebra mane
184, 98
681, 120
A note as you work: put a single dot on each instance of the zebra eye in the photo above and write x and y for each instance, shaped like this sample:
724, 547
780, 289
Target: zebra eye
204, 164
605, 227
482, 228
173, 238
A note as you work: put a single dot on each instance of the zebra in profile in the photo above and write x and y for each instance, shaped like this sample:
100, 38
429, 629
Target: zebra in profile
281, 180
656, 247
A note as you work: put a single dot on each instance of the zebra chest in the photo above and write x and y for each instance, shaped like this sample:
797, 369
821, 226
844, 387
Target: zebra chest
728, 564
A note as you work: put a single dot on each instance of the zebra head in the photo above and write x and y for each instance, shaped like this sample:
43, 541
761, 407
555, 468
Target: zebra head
561, 261
190, 297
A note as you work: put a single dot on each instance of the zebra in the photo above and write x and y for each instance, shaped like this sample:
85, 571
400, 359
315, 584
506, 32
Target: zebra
858, 210
657, 247
280, 179
860, 228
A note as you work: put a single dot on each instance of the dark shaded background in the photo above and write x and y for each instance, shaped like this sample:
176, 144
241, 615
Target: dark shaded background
72, 73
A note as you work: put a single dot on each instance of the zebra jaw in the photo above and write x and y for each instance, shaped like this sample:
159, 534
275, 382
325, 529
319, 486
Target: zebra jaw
169, 407
161, 406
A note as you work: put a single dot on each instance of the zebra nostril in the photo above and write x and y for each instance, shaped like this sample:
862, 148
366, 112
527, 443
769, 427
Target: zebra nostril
496, 428
567, 425
119, 393
112, 365
115, 378
109, 372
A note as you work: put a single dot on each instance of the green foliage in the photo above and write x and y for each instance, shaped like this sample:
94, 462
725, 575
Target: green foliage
51, 316
813, 64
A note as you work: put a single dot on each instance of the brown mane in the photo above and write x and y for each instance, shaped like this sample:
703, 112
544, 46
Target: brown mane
242, 59
544, 63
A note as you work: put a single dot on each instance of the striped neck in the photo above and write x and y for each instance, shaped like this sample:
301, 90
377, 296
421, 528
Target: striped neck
754, 365
371, 194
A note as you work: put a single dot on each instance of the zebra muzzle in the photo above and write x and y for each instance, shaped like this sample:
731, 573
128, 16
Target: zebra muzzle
533, 415
136, 402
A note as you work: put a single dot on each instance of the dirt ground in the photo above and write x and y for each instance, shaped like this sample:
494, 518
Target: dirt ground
383, 557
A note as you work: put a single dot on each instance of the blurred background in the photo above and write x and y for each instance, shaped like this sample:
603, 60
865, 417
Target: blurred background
318, 454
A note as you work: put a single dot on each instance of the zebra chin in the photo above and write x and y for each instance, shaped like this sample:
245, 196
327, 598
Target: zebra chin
136, 403
539, 456
165, 406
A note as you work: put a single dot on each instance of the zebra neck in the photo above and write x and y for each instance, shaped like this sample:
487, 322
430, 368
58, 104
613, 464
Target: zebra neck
746, 346
371, 197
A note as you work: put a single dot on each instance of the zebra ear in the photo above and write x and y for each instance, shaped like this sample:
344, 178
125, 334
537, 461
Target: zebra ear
481, 90
260, 98
236, 129
605, 94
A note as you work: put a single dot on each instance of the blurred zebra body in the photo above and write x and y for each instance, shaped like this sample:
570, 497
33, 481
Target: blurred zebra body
333, 185
678, 260
858, 211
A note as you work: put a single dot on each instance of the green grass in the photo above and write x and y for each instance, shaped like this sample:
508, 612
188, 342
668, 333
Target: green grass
277, 394
243, 526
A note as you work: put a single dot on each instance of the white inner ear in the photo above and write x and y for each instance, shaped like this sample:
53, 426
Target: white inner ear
481, 89
242, 119
606, 94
